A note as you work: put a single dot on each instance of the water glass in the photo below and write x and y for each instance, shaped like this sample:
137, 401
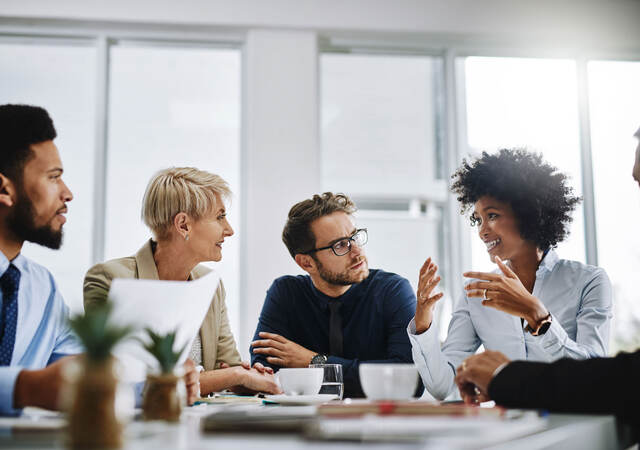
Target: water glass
332, 382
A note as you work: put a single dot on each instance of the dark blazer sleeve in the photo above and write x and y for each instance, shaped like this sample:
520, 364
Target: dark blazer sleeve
597, 386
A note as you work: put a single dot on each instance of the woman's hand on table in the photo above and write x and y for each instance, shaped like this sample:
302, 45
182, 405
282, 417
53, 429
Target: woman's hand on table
192, 381
505, 292
425, 301
254, 379
474, 375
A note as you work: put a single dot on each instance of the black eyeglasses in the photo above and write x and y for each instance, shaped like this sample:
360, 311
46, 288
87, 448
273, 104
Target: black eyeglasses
343, 246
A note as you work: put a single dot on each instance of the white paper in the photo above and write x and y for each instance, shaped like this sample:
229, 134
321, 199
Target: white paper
162, 306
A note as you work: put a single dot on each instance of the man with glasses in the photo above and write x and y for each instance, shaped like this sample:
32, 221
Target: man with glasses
341, 312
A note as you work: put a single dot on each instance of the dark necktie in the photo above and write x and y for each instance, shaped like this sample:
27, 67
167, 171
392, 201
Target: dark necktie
335, 329
9, 283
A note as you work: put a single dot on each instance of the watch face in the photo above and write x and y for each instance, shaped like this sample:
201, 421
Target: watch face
319, 359
544, 327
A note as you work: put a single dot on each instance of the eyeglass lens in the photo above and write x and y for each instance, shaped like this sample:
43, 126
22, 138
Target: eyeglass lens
343, 246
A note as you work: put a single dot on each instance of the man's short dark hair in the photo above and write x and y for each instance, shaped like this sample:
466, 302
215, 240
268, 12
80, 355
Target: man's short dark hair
297, 234
20, 127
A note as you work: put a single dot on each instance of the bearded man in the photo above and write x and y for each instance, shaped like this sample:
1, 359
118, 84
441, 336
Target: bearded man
341, 312
34, 333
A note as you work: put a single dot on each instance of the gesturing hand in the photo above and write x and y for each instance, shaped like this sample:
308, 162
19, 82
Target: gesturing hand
475, 373
505, 292
425, 301
282, 351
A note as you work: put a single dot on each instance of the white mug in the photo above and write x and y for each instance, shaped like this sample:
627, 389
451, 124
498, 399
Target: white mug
388, 381
300, 381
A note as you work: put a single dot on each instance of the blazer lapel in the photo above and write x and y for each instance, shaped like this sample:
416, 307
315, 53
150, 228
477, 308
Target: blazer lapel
147, 269
208, 334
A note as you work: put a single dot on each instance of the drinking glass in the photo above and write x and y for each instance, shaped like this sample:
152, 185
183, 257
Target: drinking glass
332, 382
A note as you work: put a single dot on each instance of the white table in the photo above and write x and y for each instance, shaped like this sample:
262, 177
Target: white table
566, 432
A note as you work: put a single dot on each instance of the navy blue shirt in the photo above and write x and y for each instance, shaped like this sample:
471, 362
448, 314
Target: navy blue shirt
375, 315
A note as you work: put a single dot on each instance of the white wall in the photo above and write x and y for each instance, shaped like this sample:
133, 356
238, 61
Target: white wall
281, 156
572, 22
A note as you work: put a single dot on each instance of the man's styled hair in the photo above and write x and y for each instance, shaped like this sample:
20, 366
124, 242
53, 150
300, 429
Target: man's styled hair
20, 127
297, 234
180, 189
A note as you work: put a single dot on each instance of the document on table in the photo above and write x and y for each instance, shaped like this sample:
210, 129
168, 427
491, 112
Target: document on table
162, 306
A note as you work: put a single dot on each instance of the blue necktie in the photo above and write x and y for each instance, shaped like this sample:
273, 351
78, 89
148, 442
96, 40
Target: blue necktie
9, 283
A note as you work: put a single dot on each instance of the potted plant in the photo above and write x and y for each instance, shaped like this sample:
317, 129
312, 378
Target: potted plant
92, 416
164, 392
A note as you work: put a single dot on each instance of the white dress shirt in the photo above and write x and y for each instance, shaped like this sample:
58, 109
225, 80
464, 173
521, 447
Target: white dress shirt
578, 297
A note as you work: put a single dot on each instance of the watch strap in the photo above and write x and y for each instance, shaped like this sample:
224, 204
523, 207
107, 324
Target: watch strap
542, 327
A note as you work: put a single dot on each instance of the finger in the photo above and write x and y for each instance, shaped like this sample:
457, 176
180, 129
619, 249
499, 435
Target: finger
276, 361
267, 343
489, 295
482, 276
426, 276
247, 365
505, 269
268, 351
479, 285
259, 367
224, 365
425, 266
268, 370
274, 336
433, 283
493, 303
427, 285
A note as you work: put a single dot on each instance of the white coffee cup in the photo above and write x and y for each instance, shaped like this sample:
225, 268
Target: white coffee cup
300, 381
388, 381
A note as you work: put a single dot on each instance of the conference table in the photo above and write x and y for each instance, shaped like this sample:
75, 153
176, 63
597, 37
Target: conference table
523, 430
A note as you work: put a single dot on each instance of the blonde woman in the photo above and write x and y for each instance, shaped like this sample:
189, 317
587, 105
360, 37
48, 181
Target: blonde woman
184, 208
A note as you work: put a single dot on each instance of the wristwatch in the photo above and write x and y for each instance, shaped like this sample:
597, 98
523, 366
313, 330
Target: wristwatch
318, 359
543, 326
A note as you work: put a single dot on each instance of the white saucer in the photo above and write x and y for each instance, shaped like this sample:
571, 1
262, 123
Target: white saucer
301, 399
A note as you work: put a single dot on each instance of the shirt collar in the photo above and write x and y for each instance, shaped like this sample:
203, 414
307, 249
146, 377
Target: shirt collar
19, 261
548, 263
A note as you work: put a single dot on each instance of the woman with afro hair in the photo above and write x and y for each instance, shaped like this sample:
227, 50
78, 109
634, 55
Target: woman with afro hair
534, 306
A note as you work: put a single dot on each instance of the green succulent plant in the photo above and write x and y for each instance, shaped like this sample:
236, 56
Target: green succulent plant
97, 335
161, 346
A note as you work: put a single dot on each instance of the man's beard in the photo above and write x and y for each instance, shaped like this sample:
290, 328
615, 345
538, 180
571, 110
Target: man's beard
341, 278
21, 224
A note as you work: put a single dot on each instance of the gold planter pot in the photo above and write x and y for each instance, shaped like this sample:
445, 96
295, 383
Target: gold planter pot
92, 416
163, 398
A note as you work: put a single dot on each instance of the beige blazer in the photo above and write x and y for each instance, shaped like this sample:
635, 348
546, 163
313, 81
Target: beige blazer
218, 344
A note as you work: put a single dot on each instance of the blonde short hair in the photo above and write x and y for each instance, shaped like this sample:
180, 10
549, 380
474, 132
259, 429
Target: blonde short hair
180, 189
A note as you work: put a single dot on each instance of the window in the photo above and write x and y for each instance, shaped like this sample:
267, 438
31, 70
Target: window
60, 78
615, 116
171, 107
532, 103
380, 145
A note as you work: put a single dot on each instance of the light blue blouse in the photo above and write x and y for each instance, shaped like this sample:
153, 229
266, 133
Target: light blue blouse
578, 296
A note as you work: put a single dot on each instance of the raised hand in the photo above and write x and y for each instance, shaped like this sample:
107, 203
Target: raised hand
425, 301
505, 292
